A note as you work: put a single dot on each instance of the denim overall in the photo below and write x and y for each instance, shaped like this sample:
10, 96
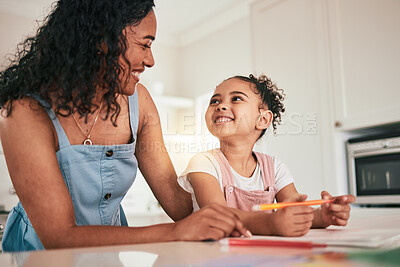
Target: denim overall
97, 177
242, 199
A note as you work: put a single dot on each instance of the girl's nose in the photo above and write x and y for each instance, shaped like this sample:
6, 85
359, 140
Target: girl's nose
221, 107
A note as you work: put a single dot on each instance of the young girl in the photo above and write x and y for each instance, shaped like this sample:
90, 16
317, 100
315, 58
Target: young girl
240, 111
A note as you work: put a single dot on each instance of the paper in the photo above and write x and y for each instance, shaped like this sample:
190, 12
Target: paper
366, 238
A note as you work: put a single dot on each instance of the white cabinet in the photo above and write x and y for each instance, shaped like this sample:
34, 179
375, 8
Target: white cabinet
365, 55
339, 64
287, 47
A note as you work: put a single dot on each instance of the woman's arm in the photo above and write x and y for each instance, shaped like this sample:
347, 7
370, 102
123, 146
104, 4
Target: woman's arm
155, 163
29, 144
292, 221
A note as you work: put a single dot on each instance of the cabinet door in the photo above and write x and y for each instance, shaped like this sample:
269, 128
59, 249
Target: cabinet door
288, 47
365, 46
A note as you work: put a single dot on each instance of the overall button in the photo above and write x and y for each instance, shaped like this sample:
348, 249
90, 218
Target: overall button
109, 153
107, 196
230, 189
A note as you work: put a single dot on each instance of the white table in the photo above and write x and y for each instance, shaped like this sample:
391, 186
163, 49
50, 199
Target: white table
203, 253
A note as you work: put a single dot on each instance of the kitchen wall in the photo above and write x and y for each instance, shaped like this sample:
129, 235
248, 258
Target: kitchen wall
219, 55
191, 65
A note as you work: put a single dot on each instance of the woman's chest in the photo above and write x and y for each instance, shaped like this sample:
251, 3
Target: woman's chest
99, 132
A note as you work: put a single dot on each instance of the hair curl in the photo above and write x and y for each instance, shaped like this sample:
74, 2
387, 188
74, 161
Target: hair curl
61, 63
270, 95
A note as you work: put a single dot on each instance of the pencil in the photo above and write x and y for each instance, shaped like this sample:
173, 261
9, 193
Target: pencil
269, 243
290, 204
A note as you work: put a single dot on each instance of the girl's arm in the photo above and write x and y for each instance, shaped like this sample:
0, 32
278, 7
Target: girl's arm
335, 213
292, 221
29, 144
155, 163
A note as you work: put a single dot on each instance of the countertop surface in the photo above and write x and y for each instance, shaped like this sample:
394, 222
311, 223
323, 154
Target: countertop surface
217, 254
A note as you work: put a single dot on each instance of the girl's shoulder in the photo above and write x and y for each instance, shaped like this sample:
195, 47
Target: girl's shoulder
202, 156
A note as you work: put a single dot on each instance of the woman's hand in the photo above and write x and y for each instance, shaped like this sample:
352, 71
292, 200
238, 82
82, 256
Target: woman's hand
337, 212
211, 222
293, 221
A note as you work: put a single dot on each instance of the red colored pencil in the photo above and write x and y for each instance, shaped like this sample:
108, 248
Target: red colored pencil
270, 243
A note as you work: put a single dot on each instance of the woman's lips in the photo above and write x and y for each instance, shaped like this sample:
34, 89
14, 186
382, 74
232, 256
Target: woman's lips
136, 75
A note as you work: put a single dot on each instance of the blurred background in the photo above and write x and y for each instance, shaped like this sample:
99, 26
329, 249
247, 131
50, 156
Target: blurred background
338, 62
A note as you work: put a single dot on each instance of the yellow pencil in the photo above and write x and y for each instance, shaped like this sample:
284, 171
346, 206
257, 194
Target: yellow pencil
290, 204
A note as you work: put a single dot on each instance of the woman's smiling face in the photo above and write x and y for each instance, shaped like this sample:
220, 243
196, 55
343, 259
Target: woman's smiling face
233, 110
139, 39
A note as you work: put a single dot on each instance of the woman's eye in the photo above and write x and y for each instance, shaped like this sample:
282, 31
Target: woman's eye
148, 45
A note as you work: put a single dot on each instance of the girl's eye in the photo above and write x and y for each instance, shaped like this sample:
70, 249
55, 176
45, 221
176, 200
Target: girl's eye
237, 98
214, 101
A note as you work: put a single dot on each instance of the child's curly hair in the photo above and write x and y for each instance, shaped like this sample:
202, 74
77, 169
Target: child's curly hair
270, 95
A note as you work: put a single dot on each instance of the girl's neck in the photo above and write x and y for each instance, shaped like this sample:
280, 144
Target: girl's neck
240, 157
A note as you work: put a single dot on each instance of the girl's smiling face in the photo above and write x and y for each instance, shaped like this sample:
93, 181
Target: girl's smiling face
234, 110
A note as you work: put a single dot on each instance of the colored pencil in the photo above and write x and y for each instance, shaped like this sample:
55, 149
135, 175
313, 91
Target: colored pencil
270, 243
290, 204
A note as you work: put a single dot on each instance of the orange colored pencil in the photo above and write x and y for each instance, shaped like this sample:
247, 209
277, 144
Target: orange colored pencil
290, 204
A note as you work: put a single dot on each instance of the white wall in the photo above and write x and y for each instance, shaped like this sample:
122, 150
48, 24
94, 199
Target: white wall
13, 30
220, 55
165, 68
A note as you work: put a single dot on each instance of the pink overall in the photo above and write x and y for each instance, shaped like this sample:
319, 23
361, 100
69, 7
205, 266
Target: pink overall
242, 199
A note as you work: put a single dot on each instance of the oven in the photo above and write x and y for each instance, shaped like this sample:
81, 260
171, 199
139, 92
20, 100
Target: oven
374, 169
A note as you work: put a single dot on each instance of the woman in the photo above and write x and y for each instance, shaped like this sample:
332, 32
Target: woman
75, 126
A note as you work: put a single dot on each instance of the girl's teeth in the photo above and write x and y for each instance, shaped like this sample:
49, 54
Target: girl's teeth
223, 119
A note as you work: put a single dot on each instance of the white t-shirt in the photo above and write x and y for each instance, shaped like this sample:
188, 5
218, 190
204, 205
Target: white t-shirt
205, 162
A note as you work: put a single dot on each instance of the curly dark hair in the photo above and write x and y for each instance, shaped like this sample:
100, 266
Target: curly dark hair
270, 95
62, 62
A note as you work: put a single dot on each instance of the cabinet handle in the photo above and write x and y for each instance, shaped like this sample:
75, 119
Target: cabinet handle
338, 124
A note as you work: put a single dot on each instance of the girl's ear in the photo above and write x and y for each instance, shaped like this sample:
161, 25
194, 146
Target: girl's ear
265, 119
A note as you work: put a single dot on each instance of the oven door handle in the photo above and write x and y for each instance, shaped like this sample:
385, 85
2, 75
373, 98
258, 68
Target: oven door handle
382, 151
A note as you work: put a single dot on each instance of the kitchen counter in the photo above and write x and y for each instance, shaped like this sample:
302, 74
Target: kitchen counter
209, 253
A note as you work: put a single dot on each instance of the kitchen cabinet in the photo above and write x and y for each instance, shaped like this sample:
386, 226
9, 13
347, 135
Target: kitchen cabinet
287, 47
339, 64
365, 56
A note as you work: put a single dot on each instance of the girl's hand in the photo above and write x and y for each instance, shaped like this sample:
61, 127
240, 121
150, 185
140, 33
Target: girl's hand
210, 222
337, 212
293, 221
